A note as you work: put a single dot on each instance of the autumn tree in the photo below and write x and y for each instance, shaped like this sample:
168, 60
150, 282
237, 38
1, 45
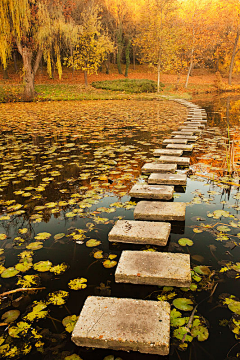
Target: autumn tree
156, 34
38, 28
229, 32
92, 43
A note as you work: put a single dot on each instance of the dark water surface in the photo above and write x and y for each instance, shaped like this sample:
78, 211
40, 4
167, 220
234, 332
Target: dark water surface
69, 169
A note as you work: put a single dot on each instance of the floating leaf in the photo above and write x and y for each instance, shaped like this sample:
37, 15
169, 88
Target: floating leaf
69, 322
77, 284
37, 312
24, 266
183, 304
10, 316
201, 332
58, 297
93, 243
176, 318
9, 272
21, 329
233, 305
35, 245
42, 236
28, 281
73, 357
59, 269
202, 270
223, 228
98, 254
109, 263
43, 266
59, 236
185, 242
3, 236
181, 332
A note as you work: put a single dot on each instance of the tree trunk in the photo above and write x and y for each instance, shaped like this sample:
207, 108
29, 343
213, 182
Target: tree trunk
158, 78
29, 69
233, 57
191, 66
15, 61
134, 57
5, 74
119, 50
85, 78
127, 51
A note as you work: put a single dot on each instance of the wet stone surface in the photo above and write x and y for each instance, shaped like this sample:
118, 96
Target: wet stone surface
174, 160
152, 192
154, 268
140, 232
157, 210
159, 168
170, 179
124, 324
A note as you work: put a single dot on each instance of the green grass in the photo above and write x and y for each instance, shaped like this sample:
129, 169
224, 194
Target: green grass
128, 86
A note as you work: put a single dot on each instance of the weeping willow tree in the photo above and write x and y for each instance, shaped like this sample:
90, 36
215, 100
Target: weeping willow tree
38, 28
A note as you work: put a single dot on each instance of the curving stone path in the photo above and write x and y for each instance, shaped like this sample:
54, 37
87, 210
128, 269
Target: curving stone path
138, 325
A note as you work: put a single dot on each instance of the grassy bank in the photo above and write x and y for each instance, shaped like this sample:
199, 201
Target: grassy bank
71, 87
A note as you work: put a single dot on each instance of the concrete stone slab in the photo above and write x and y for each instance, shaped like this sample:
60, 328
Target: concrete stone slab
195, 130
160, 211
152, 192
194, 124
124, 324
180, 147
154, 268
159, 168
174, 141
190, 138
174, 160
159, 152
190, 132
168, 179
140, 232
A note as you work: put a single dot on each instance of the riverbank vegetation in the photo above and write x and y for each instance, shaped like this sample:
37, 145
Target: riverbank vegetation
67, 39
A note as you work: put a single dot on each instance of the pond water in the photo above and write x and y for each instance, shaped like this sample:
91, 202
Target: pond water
66, 170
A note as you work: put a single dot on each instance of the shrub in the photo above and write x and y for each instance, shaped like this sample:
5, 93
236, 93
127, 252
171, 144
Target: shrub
128, 86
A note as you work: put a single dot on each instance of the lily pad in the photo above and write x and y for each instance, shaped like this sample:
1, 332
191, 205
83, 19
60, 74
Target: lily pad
35, 245
58, 297
69, 322
202, 270
201, 332
59, 236
10, 316
109, 263
223, 228
38, 311
185, 242
98, 254
77, 284
183, 304
19, 330
42, 236
43, 266
3, 236
93, 243
9, 272
59, 269
176, 318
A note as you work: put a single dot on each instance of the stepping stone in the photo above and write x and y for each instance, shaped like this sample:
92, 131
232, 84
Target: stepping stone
140, 232
159, 152
174, 141
194, 129
154, 268
159, 168
183, 133
180, 147
194, 124
124, 324
168, 179
190, 138
175, 160
160, 211
152, 192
